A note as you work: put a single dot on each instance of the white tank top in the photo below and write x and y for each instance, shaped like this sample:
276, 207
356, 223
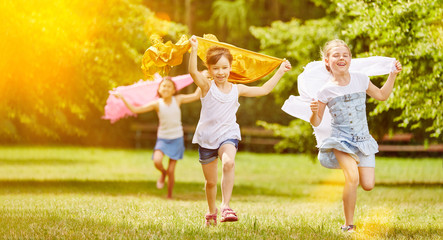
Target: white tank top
170, 121
218, 121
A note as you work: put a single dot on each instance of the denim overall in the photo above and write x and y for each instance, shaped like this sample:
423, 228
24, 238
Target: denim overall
350, 132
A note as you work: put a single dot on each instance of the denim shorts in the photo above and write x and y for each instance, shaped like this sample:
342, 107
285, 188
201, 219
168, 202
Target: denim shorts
173, 148
208, 155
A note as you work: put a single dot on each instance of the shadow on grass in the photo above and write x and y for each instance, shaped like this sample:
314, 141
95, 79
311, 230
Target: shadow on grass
46, 161
182, 190
389, 184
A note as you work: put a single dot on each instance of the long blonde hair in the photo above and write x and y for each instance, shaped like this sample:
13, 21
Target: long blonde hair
327, 49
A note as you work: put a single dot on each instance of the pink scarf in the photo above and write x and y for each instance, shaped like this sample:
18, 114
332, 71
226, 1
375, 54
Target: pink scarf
138, 94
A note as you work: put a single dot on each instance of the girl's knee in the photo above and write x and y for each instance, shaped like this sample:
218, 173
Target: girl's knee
157, 160
210, 184
228, 165
171, 171
367, 186
352, 179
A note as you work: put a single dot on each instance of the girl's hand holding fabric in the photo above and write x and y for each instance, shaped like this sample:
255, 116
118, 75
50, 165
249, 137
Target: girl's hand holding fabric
194, 42
285, 66
314, 107
117, 95
398, 67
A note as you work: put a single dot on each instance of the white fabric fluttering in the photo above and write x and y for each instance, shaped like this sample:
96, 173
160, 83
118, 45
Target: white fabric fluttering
315, 76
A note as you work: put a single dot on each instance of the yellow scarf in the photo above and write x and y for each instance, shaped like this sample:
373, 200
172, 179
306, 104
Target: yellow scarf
247, 66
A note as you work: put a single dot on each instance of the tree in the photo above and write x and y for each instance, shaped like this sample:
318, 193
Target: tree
404, 30
231, 18
60, 58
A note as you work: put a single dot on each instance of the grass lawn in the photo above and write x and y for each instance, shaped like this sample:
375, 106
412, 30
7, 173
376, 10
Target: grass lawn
89, 193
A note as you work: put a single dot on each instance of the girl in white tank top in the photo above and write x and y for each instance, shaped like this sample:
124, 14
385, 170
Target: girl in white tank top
218, 120
217, 132
170, 131
170, 119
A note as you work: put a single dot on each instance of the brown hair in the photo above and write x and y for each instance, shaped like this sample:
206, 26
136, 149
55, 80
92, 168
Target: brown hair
166, 79
327, 49
215, 53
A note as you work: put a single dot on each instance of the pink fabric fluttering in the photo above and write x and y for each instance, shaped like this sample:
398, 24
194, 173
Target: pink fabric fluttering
138, 94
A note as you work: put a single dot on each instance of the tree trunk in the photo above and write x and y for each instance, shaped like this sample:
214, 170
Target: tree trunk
188, 15
177, 6
275, 9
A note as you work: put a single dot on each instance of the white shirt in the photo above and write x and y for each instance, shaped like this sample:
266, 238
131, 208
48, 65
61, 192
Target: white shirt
359, 83
170, 121
218, 121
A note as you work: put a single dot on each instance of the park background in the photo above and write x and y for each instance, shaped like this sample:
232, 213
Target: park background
60, 58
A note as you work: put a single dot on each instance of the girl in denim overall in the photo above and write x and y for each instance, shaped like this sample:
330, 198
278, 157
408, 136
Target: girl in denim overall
350, 146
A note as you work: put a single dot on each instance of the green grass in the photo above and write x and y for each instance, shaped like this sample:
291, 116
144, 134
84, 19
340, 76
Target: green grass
84, 193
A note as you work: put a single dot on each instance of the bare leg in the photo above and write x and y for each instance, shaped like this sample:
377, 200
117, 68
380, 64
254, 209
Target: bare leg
171, 176
210, 172
350, 170
367, 178
227, 154
158, 158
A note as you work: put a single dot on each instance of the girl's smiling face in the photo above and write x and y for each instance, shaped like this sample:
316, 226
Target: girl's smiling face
339, 59
220, 71
166, 89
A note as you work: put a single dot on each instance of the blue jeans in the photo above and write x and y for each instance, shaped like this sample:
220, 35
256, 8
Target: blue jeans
208, 155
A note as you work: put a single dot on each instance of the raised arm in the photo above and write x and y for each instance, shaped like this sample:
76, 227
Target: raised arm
197, 76
382, 94
142, 109
318, 109
247, 91
187, 98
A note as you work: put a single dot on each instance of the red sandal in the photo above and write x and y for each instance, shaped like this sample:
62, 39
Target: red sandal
228, 215
211, 219
349, 228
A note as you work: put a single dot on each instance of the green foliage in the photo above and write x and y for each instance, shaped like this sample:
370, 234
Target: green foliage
297, 135
230, 14
402, 29
298, 42
60, 58
231, 19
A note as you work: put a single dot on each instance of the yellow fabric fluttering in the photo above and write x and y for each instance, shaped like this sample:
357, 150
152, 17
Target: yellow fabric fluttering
247, 66
160, 57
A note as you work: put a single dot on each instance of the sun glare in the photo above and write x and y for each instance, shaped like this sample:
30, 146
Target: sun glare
40, 43
40, 35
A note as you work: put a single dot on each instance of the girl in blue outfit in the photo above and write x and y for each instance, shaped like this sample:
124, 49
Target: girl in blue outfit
350, 146
170, 131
